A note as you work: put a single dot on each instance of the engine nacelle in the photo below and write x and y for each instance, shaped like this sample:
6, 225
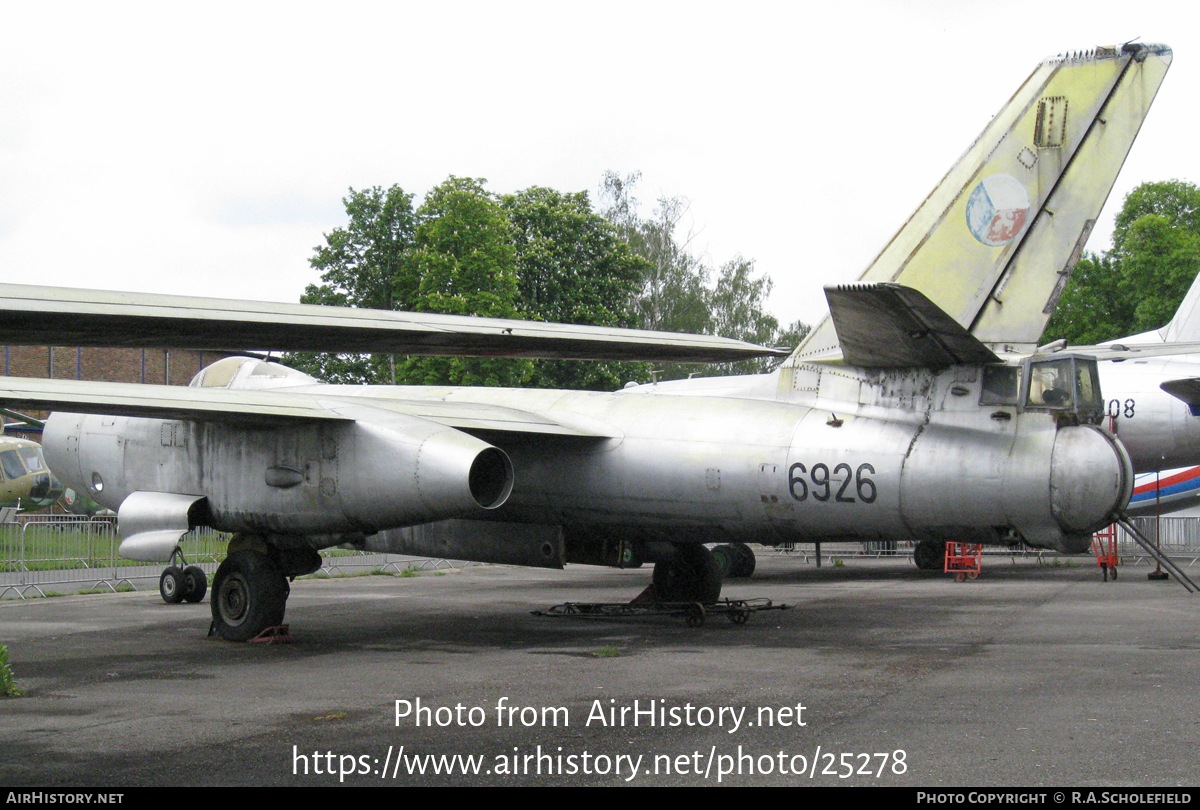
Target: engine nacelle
372, 470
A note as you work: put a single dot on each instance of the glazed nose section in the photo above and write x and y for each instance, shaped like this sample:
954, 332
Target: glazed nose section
1091, 479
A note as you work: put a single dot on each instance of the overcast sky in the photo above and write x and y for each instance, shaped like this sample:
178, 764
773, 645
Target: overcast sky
204, 148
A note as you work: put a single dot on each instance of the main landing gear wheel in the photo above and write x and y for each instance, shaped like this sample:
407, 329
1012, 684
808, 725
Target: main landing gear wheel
195, 583
171, 585
930, 555
693, 576
249, 595
734, 560
743, 561
725, 557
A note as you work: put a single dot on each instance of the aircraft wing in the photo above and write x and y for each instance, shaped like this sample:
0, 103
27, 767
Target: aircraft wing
892, 326
264, 407
60, 316
1116, 352
994, 244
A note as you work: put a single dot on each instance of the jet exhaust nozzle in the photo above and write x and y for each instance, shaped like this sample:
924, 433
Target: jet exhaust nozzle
491, 478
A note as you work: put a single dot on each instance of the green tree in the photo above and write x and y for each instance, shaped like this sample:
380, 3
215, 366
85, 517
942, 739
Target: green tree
1092, 308
737, 309
538, 254
573, 268
1178, 201
675, 293
467, 265
1159, 260
1138, 284
369, 263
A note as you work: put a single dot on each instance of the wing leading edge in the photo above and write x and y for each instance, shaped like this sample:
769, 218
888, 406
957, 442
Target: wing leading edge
268, 407
60, 316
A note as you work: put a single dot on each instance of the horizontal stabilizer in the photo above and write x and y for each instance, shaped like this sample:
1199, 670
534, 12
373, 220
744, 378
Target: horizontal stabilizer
1186, 389
892, 326
60, 316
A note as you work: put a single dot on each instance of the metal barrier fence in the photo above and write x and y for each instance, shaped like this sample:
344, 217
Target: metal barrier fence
78, 553
884, 549
1178, 538
42, 552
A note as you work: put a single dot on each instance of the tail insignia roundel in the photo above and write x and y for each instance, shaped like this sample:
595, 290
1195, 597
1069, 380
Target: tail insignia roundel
997, 210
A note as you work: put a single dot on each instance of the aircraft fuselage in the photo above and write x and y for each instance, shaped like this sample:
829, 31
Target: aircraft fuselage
1159, 431
810, 453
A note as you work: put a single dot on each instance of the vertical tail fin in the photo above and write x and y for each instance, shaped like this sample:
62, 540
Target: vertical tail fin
1184, 327
994, 244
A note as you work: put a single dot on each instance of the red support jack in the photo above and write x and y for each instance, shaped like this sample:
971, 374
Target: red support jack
962, 560
1104, 544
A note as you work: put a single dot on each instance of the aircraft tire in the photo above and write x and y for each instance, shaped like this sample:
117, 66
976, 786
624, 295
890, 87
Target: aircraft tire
743, 561
171, 585
726, 557
693, 576
249, 595
930, 555
195, 583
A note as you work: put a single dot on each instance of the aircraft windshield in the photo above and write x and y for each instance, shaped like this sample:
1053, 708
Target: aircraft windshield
32, 458
1050, 384
1087, 378
1001, 385
11, 462
1064, 383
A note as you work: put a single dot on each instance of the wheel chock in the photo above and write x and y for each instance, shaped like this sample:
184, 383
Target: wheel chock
273, 635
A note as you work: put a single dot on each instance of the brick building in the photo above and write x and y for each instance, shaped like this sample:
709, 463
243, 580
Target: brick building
159, 366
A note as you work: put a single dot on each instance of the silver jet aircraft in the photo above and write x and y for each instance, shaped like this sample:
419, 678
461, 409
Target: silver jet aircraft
915, 411
1153, 403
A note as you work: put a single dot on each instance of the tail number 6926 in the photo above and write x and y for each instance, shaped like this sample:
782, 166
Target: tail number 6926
840, 485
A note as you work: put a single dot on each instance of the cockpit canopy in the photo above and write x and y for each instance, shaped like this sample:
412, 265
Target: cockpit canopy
249, 373
1065, 384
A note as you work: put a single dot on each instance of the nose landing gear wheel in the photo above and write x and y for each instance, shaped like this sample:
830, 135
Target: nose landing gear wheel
195, 583
171, 586
249, 595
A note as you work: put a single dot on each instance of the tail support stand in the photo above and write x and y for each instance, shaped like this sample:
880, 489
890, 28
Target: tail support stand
1163, 560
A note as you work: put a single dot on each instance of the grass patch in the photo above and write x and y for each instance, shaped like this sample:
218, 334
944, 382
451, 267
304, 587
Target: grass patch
340, 575
8, 684
607, 652
58, 547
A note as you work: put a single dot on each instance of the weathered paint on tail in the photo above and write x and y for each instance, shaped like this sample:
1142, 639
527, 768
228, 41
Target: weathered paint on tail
995, 242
